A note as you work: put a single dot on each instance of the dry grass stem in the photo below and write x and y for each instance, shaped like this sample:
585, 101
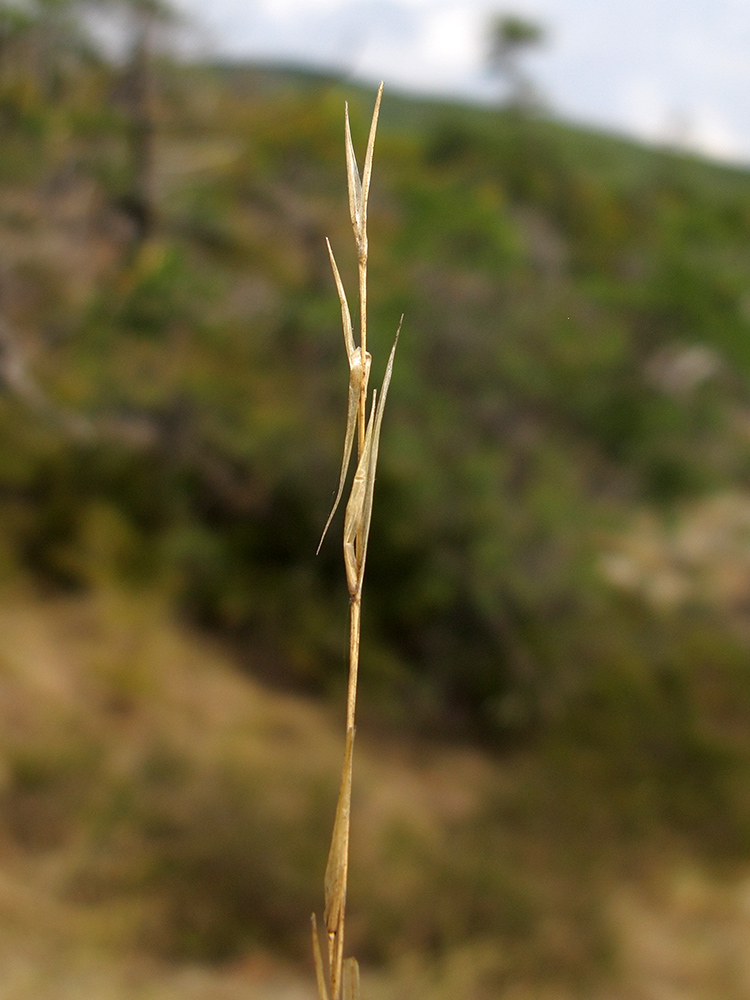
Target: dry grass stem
343, 975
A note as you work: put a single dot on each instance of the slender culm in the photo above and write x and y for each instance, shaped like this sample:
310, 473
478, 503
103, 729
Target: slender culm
343, 975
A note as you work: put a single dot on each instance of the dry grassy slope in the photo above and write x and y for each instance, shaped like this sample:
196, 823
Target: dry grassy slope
104, 695
94, 686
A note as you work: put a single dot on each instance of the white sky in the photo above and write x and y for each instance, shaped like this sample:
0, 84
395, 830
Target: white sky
656, 69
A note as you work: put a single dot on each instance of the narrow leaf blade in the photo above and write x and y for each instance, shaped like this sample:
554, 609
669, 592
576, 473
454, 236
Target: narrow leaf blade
355, 377
346, 316
338, 856
353, 516
318, 959
351, 979
354, 185
372, 461
367, 169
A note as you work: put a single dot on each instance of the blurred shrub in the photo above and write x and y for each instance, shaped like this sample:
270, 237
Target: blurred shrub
549, 278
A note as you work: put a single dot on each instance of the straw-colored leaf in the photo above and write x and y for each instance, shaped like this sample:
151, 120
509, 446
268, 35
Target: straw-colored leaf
338, 856
351, 979
372, 461
356, 374
356, 505
318, 958
346, 317
367, 168
353, 183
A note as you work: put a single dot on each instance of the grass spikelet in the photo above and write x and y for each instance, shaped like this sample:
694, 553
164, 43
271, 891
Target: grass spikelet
343, 975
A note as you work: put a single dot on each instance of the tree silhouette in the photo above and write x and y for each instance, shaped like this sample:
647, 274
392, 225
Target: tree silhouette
510, 36
145, 17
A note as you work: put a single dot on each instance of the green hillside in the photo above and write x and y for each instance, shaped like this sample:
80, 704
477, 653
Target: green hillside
559, 568
575, 350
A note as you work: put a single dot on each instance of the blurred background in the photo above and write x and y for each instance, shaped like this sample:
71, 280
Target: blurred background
552, 778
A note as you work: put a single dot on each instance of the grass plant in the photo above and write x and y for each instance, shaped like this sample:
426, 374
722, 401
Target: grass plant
344, 974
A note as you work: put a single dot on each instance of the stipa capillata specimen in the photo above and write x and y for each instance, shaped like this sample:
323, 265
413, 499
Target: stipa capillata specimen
343, 975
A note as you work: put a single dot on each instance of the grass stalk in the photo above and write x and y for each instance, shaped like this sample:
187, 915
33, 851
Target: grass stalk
344, 974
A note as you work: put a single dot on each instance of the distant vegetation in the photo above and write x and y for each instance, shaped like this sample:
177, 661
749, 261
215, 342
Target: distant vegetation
560, 554
574, 382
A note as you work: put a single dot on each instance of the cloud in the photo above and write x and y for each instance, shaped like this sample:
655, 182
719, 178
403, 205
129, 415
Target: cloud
436, 55
288, 11
655, 115
713, 136
652, 68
